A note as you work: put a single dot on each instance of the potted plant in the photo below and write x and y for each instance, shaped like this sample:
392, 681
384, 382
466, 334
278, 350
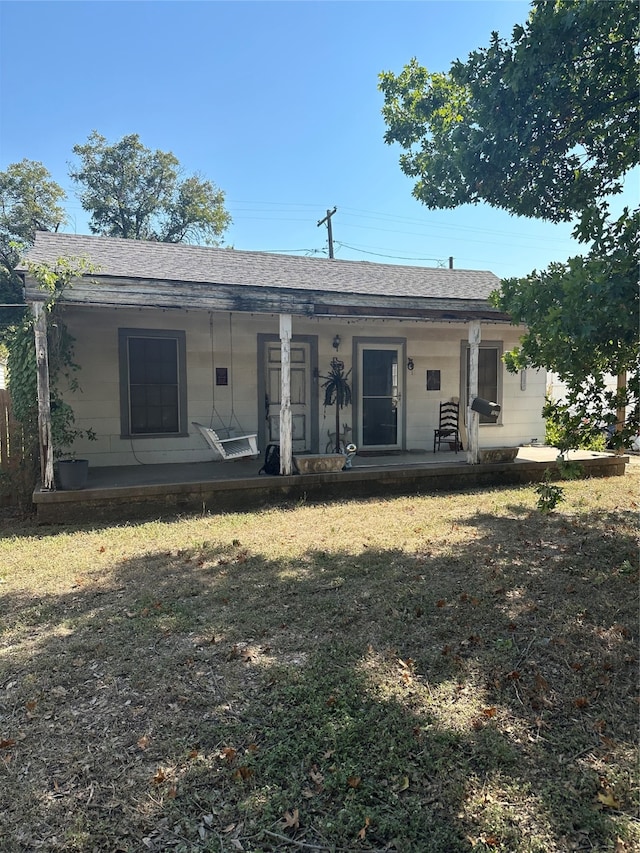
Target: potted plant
71, 472
337, 392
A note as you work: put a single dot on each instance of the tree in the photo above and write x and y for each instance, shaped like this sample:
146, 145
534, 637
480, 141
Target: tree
29, 202
545, 126
139, 194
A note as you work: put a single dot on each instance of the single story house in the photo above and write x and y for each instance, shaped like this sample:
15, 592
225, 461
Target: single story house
170, 334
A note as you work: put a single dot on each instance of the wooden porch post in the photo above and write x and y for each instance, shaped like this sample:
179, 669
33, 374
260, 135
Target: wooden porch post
44, 404
473, 418
286, 442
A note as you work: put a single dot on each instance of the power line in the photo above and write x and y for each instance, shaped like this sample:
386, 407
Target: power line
395, 257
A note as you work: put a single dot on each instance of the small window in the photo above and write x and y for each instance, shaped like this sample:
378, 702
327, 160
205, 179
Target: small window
489, 376
153, 388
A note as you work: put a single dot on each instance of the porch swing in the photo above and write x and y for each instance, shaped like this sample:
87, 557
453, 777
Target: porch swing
232, 447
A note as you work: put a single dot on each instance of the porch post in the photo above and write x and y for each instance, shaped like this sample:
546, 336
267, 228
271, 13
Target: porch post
473, 418
44, 403
286, 443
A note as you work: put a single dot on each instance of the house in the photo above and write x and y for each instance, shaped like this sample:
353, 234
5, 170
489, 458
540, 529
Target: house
171, 334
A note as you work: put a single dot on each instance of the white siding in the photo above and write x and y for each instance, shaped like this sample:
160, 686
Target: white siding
213, 343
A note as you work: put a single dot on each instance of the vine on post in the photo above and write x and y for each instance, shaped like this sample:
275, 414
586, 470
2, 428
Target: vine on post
21, 362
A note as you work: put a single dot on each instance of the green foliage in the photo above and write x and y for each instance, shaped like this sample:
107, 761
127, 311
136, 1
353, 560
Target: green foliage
567, 429
136, 193
544, 125
541, 125
21, 361
29, 202
583, 319
549, 495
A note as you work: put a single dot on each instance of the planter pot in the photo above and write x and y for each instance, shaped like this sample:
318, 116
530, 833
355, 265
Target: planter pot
498, 454
72, 474
319, 463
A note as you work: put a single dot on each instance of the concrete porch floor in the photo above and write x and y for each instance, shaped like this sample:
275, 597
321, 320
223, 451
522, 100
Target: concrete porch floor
133, 492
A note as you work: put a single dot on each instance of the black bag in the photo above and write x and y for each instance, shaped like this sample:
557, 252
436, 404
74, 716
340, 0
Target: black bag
271, 463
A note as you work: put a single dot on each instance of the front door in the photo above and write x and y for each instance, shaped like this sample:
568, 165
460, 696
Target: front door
380, 425
300, 394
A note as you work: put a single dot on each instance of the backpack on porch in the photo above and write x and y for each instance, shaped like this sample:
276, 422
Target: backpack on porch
271, 464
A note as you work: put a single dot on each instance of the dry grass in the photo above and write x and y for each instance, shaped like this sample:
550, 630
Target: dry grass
446, 673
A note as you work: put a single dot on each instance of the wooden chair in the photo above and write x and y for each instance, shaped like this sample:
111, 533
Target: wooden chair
229, 448
449, 427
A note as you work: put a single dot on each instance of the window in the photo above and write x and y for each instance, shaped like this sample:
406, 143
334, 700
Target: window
489, 376
153, 387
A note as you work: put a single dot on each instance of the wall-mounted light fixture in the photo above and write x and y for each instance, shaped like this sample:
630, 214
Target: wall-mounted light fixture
410, 364
336, 342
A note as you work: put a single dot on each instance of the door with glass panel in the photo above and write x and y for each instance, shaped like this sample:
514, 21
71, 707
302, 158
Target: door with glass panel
380, 411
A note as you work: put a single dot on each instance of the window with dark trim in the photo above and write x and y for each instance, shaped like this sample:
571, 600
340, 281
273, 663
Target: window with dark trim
489, 376
153, 382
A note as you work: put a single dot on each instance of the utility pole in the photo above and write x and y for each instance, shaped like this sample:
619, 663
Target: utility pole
327, 219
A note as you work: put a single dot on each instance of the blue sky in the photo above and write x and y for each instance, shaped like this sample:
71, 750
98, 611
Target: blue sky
275, 102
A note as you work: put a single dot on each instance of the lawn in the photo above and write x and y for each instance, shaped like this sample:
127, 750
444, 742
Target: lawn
432, 674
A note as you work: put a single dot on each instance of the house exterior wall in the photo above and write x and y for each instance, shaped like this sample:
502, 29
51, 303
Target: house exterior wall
230, 341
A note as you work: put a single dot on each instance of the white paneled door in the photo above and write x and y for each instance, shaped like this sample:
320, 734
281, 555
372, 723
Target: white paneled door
300, 394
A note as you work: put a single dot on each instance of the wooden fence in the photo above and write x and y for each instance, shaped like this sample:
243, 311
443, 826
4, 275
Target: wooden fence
11, 449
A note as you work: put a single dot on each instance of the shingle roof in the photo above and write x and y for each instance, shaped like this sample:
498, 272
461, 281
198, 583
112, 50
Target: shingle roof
117, 258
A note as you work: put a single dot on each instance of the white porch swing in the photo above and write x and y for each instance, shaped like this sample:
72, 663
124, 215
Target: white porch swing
236, 446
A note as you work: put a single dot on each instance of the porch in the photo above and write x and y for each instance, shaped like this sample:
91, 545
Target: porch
132, 492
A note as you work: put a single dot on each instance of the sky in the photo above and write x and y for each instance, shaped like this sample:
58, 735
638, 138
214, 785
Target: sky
277, 103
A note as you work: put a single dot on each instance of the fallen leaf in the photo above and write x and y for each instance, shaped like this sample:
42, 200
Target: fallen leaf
5, 743
242, 773
228, 753
541, 683
143, 742
291, 820
316, 776
363, 831
607, 799
404, 784
353, 781
490, 712
581, 702
159, 776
